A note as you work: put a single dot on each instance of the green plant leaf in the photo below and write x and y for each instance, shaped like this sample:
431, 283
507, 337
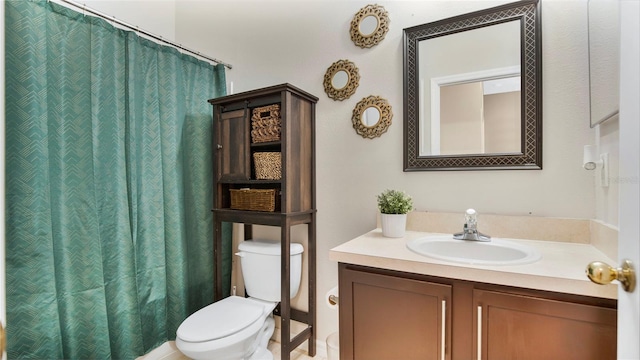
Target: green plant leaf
394, 202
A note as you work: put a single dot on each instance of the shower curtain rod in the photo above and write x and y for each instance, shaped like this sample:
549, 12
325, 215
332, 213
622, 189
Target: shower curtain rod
144, 32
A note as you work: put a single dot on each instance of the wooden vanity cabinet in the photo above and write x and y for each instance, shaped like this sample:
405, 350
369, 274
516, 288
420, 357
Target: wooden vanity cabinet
390, 317
514, 326
395, 315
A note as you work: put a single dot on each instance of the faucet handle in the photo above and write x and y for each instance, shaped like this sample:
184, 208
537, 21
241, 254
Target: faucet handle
470, 230
470, 218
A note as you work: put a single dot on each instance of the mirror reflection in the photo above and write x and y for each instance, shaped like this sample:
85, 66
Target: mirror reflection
368, 25
485, 124
370, 116
471, 107
340, 79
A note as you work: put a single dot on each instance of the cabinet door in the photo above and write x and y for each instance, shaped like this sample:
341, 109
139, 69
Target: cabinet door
233, 146
388, 317
523, 327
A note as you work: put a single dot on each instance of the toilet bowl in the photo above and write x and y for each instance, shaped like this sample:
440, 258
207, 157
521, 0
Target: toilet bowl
231, 328
238, 327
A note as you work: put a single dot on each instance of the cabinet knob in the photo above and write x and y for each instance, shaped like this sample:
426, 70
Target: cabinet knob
601, 273
219, 146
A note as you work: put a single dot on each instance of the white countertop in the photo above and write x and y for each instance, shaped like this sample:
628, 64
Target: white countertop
561, 268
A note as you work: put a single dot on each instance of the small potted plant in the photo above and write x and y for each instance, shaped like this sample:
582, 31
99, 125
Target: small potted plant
394, 206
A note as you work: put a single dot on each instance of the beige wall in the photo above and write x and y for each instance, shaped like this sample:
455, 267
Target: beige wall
271, 42
155, 16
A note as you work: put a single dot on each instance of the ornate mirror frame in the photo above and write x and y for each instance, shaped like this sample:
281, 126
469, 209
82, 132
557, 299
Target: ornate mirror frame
527, 12
380, 127
369, 40
353, 80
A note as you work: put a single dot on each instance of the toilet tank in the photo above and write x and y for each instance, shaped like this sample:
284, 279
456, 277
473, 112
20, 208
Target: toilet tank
260, 263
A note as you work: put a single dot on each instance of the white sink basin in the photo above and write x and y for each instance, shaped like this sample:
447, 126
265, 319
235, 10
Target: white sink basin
494, 252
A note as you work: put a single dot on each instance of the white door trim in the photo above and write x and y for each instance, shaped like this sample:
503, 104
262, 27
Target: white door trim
629, 175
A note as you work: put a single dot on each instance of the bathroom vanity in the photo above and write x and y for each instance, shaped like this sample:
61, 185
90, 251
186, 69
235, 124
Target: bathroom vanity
397, 304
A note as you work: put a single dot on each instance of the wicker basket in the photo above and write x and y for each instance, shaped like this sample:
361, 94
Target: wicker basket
268, 165
253, 199
266, 124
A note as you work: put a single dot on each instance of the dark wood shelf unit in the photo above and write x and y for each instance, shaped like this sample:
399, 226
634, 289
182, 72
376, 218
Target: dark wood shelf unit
295, 191
250, 182
270, 144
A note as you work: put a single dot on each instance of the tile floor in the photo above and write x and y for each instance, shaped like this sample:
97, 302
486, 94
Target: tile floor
168, 351
274, 347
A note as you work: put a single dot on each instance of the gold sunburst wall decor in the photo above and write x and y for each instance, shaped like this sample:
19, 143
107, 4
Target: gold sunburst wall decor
341, 80
372, 117
369, 26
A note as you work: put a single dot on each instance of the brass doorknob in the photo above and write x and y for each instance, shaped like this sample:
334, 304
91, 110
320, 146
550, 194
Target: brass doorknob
601, 273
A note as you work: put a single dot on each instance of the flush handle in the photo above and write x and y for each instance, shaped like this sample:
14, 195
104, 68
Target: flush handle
601, 273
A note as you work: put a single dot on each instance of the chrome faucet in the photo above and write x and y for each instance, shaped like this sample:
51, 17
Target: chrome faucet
470, 230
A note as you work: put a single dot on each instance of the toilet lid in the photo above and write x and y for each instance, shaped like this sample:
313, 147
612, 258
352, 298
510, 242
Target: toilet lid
220, 319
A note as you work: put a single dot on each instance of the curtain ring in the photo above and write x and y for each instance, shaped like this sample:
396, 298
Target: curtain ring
84, 8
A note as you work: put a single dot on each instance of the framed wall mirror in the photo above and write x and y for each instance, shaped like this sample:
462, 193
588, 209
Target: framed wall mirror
473, 91
604, 60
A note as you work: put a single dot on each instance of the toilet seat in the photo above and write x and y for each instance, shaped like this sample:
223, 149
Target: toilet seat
220, 319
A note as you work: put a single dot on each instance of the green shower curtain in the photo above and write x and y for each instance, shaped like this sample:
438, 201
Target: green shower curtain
109, 189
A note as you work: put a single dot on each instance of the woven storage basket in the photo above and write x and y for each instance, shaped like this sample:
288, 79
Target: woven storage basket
268, 165
253, 199
266, 124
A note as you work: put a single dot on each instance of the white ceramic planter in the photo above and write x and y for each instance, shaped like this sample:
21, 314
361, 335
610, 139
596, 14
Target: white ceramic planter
393, 225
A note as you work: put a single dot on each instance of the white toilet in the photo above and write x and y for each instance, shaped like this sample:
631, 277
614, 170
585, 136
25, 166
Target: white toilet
238, 327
